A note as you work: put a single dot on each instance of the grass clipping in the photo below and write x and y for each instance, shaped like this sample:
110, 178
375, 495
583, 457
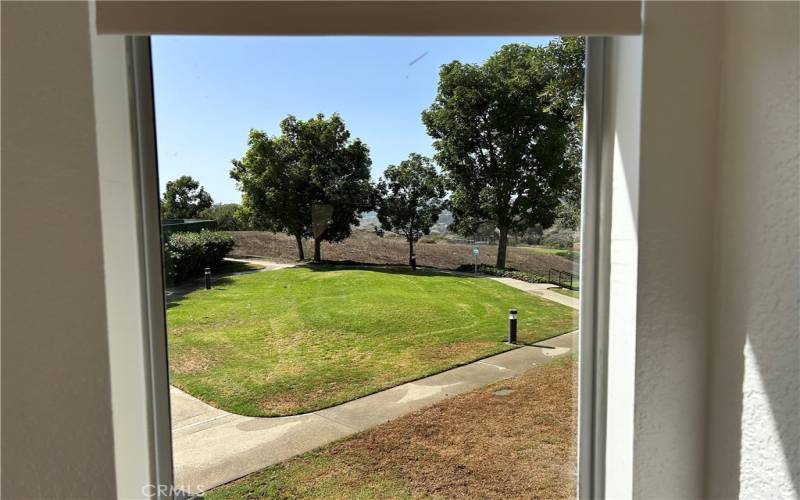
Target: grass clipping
517, 445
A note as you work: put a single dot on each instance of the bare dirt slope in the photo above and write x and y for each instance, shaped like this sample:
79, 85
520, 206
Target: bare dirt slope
368, 248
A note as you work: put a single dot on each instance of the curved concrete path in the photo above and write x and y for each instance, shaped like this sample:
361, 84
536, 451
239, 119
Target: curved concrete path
177, 292
268, 264
544, 290
212, 447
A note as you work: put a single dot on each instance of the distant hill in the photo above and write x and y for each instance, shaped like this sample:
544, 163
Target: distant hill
369, 220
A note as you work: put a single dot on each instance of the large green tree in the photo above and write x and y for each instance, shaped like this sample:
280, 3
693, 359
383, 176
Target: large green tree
565, 66
312, 180
411, 199
184, 198
226, 216
501, 141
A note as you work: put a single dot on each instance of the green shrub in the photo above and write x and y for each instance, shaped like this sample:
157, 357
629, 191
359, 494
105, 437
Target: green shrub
186, 255
504, 273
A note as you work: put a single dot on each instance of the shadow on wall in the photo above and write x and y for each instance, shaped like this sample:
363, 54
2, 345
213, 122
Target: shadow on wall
755, 385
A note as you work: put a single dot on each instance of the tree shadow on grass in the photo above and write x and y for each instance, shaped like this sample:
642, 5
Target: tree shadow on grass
174, 297
399, 269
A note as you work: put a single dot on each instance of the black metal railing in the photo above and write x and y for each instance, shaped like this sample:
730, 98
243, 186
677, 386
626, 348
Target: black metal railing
561, 278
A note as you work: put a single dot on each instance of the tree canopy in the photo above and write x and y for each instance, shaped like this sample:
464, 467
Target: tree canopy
501, 132
226, 215
565, 90
564, 69
312, 180
411, 199
184, 198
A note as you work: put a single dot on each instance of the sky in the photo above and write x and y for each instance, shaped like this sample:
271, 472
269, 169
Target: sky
210, 91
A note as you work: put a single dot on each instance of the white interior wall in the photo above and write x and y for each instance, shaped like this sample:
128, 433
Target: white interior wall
754, 404
57, 433
710, 210
680, 85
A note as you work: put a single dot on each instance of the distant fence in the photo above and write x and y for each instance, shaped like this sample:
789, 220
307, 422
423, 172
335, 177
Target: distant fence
563, 279
169, 226
491, 241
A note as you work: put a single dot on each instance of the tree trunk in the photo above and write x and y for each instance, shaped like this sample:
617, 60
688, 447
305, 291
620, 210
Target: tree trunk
502, 245
300, 254
410, 252
317, 256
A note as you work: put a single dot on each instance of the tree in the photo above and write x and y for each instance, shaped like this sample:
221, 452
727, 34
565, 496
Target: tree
500, 142
484, 231
312, 180
565, 67
184, 198
530, 235
568, 215
226, 215
411, 199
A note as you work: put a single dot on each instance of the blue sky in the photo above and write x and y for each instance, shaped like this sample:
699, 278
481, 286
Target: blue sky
210, 91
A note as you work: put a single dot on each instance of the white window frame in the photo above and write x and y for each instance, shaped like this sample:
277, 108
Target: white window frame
145, 148
594, 271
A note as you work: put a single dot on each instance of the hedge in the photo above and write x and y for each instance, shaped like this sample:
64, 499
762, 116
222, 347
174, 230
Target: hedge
504, 273
186, 255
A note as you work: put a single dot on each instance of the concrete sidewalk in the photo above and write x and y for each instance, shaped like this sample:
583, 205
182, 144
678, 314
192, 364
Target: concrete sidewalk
268, 264
544, 290
212, 447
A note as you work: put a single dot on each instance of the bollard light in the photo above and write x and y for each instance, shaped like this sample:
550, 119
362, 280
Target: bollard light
512, 326
208, 278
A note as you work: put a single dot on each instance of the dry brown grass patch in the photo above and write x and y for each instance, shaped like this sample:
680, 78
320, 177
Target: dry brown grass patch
462, 350
191, 361
481, 444
289, 402
477, 445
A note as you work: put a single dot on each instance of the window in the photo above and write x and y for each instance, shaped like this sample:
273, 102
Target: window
363, 290
159, 427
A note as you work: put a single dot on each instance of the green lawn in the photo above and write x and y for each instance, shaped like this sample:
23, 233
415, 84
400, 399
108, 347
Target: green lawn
300, 339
